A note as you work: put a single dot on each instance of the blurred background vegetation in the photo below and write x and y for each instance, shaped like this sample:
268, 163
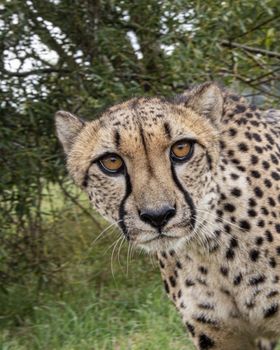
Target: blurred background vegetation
57, 288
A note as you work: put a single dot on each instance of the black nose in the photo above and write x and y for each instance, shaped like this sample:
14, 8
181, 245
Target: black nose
157, 218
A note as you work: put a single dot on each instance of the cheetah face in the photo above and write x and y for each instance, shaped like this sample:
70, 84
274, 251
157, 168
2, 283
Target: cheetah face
148, 164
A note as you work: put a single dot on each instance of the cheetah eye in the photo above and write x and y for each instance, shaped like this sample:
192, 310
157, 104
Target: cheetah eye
111, 164
182, 150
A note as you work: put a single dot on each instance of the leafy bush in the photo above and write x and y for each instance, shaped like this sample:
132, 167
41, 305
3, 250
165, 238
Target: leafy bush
84, 55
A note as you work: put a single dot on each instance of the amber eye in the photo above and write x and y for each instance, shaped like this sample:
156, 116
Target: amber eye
111, 163
182, 150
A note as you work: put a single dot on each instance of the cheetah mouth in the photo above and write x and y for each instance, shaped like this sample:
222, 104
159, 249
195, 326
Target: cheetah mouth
154, 240
160, 237
160, 242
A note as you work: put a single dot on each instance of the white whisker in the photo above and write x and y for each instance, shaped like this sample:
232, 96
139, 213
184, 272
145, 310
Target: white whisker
105, 230
127, 257
119, 250
112, 255
221, 220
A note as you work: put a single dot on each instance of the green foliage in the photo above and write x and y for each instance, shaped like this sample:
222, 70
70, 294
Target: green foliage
100, 304
84, 55
122, 318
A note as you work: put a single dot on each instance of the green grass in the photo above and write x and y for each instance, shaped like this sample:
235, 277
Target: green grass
97, 303
121, 318
91, 307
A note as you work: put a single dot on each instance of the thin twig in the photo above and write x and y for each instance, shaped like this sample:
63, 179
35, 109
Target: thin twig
258, 26
268, 53
74, 200
36, 72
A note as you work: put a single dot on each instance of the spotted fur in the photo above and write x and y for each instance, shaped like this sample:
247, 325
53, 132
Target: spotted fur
219, 255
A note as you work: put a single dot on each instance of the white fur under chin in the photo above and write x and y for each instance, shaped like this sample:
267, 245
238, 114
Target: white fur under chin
163, 244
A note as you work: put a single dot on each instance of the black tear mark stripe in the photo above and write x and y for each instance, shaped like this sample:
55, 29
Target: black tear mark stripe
187, 196
122, 212
87, 177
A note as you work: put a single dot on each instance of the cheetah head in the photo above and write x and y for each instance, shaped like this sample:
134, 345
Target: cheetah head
149, 164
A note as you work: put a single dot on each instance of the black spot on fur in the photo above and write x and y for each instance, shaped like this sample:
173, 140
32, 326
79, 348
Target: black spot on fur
189, 283
209, 160
205, 320
254, 281
272, 262
230, 254
166, 287
206, 306
271, 311
272, 294
205, 342
191, 329
224, 271
236, 192
237, 279
178, 265
203, 270
117, 138
239, 109
172, 281
244, 224
167, 129
254, 254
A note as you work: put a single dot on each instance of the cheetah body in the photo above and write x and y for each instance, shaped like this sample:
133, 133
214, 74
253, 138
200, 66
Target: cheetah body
221, 265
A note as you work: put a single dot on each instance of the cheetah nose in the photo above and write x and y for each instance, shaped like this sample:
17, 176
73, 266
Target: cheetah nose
157, 218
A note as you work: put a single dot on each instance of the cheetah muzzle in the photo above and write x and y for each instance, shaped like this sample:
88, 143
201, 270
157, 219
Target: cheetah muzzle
195, 180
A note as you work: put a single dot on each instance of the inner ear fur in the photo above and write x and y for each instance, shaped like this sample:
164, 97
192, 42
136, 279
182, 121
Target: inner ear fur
68, 127
207, 100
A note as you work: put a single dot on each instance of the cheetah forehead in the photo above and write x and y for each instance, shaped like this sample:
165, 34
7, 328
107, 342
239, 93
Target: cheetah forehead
157, 119
198, 110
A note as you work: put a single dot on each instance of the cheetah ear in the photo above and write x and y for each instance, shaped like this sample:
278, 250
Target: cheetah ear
206, 100
68, 126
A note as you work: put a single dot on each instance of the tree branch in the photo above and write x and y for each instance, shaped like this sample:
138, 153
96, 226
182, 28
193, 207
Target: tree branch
36, 72
76, 202
258, 26
247, 81
46, 37
268, 53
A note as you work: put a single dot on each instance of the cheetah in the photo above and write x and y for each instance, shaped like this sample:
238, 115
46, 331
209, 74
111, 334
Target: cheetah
194, 180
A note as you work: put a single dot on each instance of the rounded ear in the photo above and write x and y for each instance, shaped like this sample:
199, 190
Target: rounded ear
205, 99
68, 126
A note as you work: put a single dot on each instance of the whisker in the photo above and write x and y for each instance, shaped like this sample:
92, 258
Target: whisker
208, 234
221, 220
119, 250
105, 230
217, 239
112, 255
127, 257
111, 245
132, 250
